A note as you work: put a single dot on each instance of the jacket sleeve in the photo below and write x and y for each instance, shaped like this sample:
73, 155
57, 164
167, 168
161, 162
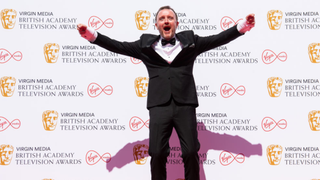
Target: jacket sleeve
209, 42
131, 49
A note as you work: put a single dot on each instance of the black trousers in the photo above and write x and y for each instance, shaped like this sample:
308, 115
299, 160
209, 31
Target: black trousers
162, 120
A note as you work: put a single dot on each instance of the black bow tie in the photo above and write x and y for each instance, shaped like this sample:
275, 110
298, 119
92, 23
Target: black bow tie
171, 41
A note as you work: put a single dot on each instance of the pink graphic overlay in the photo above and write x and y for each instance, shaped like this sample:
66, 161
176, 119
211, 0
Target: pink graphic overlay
4, 124
227, 22
208, 140
228, 90
135, 61
95, 90
269, 56
96, 23
5, 56
226, 158
92, 157
137, 123
268, 124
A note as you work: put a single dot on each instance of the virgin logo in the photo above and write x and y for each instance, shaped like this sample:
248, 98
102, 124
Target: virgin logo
227, 22
5, 56
269, 56
226, 158
5, 124
227, 90
135, 61
96, 23
268, 124
137, 123
92, 157
95, 90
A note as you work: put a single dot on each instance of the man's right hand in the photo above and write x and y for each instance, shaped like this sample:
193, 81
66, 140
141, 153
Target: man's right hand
82, 28
86, 32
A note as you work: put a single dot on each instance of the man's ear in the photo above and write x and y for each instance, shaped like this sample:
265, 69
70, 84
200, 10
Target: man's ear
156, 26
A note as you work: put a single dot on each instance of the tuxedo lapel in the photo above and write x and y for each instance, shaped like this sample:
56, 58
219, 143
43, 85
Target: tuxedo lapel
146, 43
186, 39
148, 39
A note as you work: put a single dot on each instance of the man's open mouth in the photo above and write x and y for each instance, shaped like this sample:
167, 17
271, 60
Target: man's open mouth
167, 28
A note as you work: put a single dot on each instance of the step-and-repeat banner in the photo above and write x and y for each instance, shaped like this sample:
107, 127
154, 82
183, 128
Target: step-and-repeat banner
70, 110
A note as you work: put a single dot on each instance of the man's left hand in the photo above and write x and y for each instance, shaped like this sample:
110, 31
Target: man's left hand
250, 19
247, 24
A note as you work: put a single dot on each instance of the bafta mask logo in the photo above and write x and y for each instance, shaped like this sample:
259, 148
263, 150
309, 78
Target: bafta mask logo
141, 86
314, 52
7, 86
314, 120
49, 120
6, 154
274, 19
8, 18
275, 86
142, 18
140, 154
51, 52
274, 154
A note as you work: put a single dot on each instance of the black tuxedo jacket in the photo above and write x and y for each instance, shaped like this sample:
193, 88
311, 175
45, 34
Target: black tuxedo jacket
169, 80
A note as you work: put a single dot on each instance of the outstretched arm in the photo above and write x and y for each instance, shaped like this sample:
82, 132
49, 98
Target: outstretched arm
224, 37
125, 48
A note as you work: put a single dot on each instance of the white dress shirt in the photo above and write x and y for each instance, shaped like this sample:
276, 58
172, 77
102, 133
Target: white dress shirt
168, 52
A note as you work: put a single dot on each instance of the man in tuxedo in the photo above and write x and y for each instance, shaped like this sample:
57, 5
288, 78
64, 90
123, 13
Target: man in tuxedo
172, 97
